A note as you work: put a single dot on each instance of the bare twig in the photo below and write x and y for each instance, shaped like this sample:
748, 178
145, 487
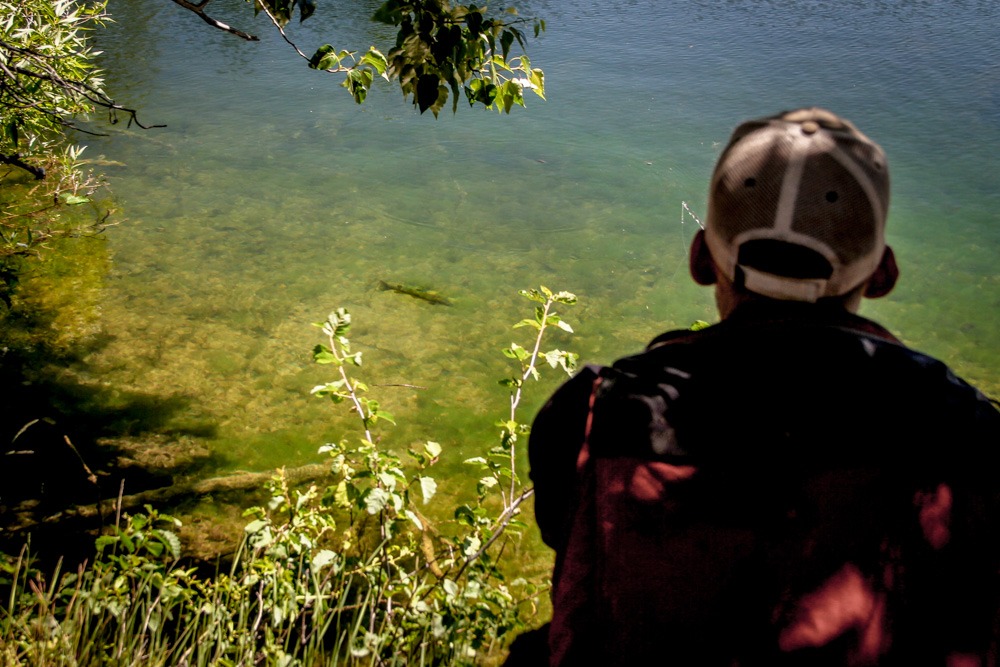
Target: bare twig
199, 9
501, 526
91, 477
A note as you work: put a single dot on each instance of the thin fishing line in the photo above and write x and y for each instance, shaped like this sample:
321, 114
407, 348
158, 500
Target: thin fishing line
685, 212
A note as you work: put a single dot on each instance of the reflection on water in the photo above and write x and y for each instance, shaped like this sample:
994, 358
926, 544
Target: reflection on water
271, 199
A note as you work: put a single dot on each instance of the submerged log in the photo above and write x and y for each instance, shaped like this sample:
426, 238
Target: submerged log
26, 514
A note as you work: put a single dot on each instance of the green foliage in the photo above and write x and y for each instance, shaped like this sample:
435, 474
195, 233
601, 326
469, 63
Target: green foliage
500, 463
284, 10
47, 80
442, 49
48, 76
352, 572
441, 52
49, 275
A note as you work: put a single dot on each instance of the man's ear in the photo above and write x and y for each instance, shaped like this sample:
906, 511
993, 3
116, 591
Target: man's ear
700, 262
884, 278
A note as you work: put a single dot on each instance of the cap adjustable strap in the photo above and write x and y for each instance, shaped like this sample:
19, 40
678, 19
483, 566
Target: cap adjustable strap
783, 287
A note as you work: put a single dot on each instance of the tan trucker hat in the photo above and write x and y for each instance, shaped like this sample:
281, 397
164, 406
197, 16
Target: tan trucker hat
803, 182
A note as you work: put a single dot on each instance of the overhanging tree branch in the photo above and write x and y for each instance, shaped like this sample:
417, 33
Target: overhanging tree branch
199, 9
441, 51
15, 160
14, 88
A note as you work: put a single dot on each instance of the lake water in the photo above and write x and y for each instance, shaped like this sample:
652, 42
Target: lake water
271, 198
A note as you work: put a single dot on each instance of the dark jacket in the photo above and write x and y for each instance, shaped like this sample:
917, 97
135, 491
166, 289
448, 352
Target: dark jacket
790, 486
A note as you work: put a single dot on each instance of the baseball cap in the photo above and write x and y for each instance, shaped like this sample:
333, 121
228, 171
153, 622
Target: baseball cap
797, 206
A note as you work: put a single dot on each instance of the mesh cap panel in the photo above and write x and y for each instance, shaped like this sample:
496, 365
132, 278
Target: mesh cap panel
806, 178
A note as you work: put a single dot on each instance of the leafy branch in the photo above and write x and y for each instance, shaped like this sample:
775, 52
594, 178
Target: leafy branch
441, 52
545, 317
501, 461
338, 352
48, 79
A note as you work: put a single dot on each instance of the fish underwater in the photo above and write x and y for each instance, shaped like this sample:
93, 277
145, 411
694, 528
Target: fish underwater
430, 296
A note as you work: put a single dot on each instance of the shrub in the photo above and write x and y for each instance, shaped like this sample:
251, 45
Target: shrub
349, 573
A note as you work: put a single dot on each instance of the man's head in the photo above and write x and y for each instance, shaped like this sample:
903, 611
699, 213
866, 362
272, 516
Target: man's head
796, 211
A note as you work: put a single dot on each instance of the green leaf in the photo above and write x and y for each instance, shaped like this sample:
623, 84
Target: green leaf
533, 294
306, 9
564, 297
255, 526
323, 558
324, 58
357, 82
387, 479
506, 39
537, 79
426, 91
474, 22
172, 541
564, 326
390, 13
433, 449
464, 514
376, 500
470, 547
323, 355
104, 540
515, 351
342, 496
374, 58
482, 92
72, 200
428, 487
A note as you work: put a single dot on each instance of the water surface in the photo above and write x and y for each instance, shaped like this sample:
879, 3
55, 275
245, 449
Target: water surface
271, 198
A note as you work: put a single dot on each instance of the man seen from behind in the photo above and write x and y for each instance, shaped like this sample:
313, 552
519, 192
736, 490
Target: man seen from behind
792, 485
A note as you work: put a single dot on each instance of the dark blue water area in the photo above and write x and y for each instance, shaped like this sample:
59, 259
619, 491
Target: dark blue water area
270, 197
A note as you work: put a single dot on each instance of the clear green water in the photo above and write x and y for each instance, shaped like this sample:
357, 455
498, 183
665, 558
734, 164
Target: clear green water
271, 199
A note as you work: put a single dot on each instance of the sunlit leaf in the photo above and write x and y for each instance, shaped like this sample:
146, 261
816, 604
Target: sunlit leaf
172, 541
255, 526
428, 487
71, 199
375, 59
376, 500
323, 355
323, 558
